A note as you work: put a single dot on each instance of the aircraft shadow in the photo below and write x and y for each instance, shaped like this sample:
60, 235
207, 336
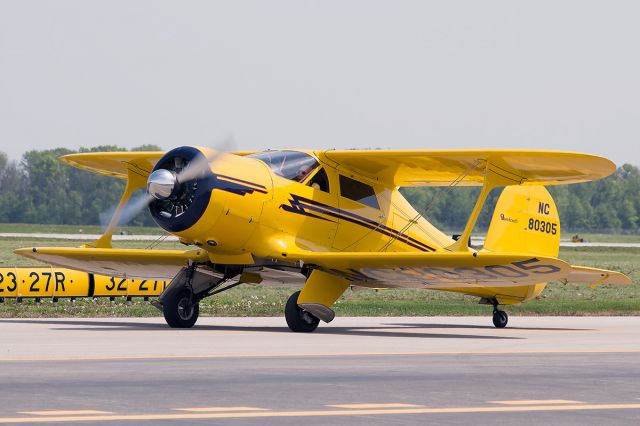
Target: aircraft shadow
372, 332
388, 330
488, 327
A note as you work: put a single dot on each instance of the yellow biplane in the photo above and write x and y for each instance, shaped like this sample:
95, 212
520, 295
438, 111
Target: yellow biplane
328, 220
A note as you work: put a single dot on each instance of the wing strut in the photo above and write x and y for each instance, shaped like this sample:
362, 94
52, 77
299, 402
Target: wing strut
494, 177
135, 180
476, 165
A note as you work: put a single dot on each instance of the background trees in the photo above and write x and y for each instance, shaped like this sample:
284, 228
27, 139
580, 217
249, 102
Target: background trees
40, 189
607, 205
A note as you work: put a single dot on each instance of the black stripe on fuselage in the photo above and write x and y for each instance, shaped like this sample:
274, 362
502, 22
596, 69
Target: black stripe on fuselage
301, 205
236, 186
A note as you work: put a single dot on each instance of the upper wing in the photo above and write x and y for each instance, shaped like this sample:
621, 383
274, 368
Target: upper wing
467, 167
119, 162
115, 163
439, 270
134, 263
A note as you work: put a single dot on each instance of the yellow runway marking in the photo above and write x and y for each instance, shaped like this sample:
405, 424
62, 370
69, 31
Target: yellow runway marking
537, 402
215, 409
64, 412
319, 413
374, 406
319, 355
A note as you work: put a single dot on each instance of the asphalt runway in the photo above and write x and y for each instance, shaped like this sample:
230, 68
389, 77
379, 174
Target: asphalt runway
356, 371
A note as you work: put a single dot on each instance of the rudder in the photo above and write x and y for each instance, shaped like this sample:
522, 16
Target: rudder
525, 220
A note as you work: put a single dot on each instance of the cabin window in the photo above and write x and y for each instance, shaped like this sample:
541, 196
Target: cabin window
320, 181
292, 165
358, 191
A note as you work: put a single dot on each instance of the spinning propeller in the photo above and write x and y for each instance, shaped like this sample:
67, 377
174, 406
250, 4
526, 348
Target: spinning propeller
172, 186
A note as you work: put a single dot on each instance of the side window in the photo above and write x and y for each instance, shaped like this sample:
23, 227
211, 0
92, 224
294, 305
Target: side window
358, 191
320, 181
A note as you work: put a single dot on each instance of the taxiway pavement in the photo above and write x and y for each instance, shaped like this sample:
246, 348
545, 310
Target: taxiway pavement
443, 370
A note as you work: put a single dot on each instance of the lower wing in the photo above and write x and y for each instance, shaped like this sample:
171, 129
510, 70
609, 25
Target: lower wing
442, 270
134, 263
412, 269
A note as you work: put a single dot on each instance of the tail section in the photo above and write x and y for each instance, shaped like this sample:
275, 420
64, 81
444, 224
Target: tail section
525, 220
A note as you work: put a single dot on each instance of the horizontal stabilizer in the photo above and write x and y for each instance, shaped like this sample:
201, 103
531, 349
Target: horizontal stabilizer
132, 263
595, 276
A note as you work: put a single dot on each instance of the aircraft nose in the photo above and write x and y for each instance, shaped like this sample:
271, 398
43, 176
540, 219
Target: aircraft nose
161, 184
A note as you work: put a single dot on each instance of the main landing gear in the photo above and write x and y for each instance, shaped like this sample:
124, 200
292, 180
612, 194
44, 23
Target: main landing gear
179, 302
297, 318
180, 308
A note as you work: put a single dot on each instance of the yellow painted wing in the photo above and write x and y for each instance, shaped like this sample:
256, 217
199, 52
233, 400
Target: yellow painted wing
119, 162
115, 163
595, 276
441, 168
438, 270
133, 263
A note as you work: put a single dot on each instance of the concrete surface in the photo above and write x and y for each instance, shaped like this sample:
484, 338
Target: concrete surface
442, 370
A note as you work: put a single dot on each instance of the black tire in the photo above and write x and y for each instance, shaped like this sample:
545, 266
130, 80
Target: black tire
297, 318
178, 310
500, 319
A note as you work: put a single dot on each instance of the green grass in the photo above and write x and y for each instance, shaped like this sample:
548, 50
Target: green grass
29, 228
603, 238
557, 299
152, 230
566, 236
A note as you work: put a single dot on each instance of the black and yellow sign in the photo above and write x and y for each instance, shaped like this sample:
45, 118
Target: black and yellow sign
41, 282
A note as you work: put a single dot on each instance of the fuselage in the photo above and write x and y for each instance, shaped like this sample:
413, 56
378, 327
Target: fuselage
261, 206
276, 201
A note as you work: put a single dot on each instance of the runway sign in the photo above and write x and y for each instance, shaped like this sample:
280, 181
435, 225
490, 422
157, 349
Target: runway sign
115, 286
43, 282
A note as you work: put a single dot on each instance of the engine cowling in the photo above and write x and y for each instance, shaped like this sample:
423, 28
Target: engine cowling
177, 205
209, 198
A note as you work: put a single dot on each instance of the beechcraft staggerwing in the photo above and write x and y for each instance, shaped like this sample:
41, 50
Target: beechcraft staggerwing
328, 220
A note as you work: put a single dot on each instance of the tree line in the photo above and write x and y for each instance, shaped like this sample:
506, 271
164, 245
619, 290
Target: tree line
609, 205
40, 189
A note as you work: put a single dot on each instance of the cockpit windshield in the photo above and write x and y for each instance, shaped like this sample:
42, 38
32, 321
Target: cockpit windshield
292, 165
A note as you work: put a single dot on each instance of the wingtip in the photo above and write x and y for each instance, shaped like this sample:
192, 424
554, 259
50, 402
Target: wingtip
26, 251
626, 279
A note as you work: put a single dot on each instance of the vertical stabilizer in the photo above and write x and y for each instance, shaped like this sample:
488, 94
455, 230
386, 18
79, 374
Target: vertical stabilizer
525, 220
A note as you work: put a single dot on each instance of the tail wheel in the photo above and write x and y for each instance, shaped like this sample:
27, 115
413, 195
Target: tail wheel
500, 318
180, 310
297, 318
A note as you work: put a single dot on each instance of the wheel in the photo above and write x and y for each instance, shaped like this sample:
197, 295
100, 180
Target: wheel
500, 319
180, 311
297, 318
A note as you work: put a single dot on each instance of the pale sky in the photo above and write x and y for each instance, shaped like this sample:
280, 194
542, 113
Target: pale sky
322, 74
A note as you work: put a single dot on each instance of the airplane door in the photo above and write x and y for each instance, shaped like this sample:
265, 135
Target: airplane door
315, 203
360, 225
